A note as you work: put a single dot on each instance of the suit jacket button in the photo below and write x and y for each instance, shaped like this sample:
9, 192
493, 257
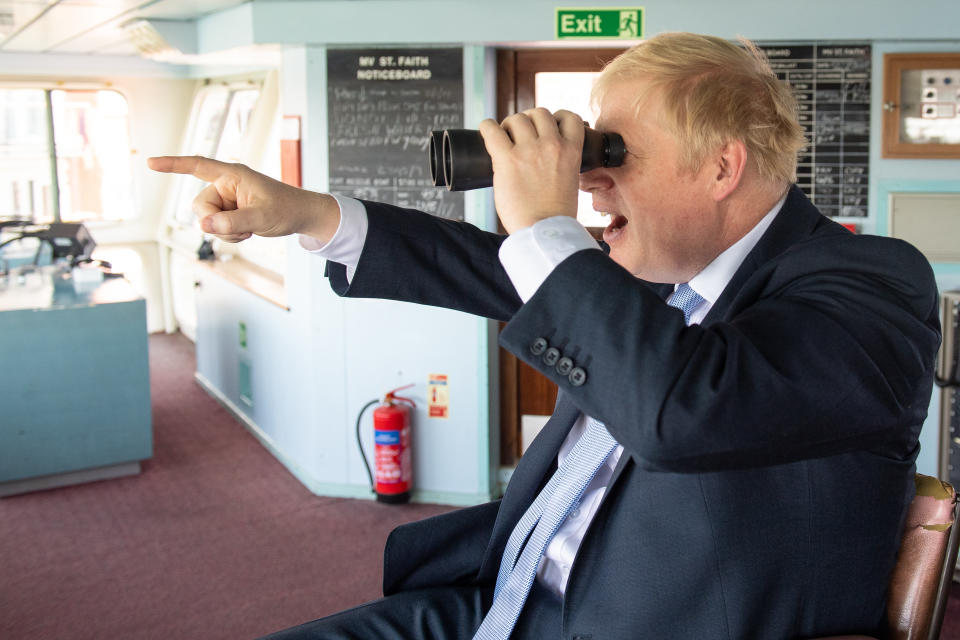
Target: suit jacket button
538, 346
550, 356
564, 366
577, 376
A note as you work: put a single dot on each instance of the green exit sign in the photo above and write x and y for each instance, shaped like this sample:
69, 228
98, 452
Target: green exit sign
606, 22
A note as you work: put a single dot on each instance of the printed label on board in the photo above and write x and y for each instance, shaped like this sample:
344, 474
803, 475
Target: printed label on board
438, 396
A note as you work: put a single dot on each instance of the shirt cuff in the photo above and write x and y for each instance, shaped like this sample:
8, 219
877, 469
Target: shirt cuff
346, 245
530, 255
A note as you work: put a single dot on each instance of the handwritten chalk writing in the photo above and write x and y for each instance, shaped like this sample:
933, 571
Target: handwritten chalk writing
382, 105
831, 84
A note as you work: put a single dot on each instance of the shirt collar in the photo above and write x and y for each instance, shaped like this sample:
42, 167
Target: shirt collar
713, 279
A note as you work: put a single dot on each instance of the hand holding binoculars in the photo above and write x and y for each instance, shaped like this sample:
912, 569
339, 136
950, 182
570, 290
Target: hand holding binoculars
460, 162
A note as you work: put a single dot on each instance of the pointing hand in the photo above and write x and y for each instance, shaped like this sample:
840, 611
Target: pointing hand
239, 202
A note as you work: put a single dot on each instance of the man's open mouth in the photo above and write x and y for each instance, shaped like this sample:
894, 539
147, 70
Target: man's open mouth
617, 223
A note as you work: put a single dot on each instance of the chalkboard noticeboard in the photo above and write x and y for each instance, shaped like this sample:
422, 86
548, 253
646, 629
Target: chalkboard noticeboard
382, 105
831, 83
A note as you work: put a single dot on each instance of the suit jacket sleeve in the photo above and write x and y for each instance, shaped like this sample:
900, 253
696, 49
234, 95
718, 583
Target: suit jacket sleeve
415, 257
827, 349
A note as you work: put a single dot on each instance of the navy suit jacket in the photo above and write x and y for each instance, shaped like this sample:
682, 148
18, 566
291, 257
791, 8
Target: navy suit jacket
769, 451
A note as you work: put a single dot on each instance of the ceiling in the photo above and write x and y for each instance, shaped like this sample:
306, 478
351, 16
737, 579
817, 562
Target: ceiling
113, 27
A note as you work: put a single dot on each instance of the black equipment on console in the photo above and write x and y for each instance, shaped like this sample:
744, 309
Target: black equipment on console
69, 240
66, 239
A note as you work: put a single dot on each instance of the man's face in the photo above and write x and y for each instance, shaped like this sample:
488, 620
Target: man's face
664, 226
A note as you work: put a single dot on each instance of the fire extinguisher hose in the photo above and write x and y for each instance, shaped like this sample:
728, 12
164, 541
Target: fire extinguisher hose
363, 456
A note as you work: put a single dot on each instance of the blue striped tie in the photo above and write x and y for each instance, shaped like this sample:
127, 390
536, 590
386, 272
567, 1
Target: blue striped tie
518, 566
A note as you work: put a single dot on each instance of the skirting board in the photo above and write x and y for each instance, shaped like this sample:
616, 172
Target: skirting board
326, 488
15, 487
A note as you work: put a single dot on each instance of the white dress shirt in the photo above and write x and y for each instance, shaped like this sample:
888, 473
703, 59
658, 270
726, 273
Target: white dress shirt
529, 256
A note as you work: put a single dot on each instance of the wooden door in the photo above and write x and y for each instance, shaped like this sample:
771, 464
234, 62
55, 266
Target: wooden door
523, 390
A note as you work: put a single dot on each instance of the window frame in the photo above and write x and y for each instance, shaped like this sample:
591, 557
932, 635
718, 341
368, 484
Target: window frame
172, 218
48, 86
256, 146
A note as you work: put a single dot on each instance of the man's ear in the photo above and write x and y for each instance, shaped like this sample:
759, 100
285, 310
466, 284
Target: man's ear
731, 165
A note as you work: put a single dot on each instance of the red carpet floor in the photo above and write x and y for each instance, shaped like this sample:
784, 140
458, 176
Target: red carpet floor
215, 539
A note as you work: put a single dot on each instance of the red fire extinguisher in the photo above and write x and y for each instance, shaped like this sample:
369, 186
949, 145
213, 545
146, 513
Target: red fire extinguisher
392, 452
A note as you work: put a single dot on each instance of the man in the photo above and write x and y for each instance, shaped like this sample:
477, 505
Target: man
750, 428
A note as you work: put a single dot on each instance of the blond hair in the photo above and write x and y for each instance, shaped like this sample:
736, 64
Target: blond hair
715, 91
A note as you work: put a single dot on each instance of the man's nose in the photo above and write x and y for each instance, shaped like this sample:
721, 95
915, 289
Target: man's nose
595, 179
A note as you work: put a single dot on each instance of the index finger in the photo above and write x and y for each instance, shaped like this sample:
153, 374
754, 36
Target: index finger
206, 169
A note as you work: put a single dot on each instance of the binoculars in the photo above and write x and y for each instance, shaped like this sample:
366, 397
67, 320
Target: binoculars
459, 161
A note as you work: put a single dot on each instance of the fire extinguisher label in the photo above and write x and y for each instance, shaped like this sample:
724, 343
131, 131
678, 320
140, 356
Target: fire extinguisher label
389, 470
386, 437
392, 452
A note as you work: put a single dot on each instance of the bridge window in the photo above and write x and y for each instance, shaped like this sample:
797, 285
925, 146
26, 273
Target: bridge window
232, 121
218, 129
64, 155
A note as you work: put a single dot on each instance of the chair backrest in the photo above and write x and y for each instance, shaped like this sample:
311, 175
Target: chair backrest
921, 578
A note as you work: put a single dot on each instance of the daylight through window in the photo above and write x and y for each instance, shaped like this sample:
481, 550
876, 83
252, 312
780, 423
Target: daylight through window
82, 172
